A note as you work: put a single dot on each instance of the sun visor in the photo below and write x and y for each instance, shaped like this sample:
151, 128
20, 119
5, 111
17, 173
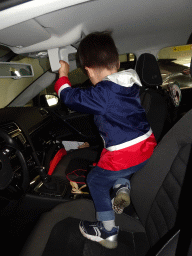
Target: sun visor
57, 54
64, 53
23, 34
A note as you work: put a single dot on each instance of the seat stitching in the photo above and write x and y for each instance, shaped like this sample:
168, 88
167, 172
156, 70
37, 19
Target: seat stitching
171, 173
162, 215
162, 186
151, 217
169, 198
134, 243
182, 160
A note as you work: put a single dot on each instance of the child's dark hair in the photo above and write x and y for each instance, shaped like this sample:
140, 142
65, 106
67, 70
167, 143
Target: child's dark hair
98, 50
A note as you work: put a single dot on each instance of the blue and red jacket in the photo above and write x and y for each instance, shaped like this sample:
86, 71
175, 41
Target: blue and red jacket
118, 115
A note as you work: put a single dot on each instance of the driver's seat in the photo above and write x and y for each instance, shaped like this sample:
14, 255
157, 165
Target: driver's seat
155, 195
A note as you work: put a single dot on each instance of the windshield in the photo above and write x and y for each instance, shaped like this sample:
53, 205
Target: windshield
10, 88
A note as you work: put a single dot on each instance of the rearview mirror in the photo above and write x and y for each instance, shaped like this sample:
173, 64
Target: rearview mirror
15, 70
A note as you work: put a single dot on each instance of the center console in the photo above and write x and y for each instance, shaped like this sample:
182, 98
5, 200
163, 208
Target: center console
48, 186
41, 185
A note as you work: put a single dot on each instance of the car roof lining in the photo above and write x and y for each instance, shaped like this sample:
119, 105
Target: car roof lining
136, 26
33, 9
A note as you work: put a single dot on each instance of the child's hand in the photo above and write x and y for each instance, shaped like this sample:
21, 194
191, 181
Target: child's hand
64, 69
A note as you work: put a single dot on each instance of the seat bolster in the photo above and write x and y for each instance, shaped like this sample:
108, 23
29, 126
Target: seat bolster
147, 182
80, 209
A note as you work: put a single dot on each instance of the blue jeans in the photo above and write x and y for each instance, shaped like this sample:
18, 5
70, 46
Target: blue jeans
101, 181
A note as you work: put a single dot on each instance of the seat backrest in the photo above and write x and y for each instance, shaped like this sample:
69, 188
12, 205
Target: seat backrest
153, 98
157, 187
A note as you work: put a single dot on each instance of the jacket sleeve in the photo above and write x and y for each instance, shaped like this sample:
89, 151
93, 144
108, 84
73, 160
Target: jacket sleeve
92, 100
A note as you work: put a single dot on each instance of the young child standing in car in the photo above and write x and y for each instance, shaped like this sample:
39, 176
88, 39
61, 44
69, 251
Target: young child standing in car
128, 139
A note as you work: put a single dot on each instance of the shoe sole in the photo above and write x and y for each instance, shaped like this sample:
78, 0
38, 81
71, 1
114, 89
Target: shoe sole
121, 201
105, 243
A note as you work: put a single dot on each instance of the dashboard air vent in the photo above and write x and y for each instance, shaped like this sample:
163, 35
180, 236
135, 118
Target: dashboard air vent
10, 127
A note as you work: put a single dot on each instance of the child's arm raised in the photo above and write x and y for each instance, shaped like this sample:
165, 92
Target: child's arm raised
92, 100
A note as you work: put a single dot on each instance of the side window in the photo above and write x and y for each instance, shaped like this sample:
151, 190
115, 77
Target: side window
127, 61
174, 63
79, 79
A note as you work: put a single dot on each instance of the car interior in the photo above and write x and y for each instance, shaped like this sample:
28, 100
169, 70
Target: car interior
41, 138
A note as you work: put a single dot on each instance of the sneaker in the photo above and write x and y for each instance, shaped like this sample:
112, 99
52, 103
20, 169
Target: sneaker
95, 231
120, 199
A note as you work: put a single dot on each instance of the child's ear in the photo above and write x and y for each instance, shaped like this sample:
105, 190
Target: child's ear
90, 72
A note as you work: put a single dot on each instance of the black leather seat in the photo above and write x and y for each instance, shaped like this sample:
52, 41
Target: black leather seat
154, 99
155, 195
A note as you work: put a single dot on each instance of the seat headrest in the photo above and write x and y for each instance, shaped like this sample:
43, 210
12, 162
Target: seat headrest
148, 70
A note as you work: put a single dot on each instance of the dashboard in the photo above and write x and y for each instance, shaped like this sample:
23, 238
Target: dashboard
31, 130
39, 133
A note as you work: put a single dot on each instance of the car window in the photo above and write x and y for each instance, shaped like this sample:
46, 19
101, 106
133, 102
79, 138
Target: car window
174, 63
79, 79
77, 76
11, 88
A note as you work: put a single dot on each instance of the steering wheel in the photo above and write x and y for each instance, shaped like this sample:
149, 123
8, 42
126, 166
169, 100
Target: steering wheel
8, 179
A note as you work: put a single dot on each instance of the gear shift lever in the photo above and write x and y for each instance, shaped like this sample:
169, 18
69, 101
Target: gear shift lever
46, 179
50, 185
43, 174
